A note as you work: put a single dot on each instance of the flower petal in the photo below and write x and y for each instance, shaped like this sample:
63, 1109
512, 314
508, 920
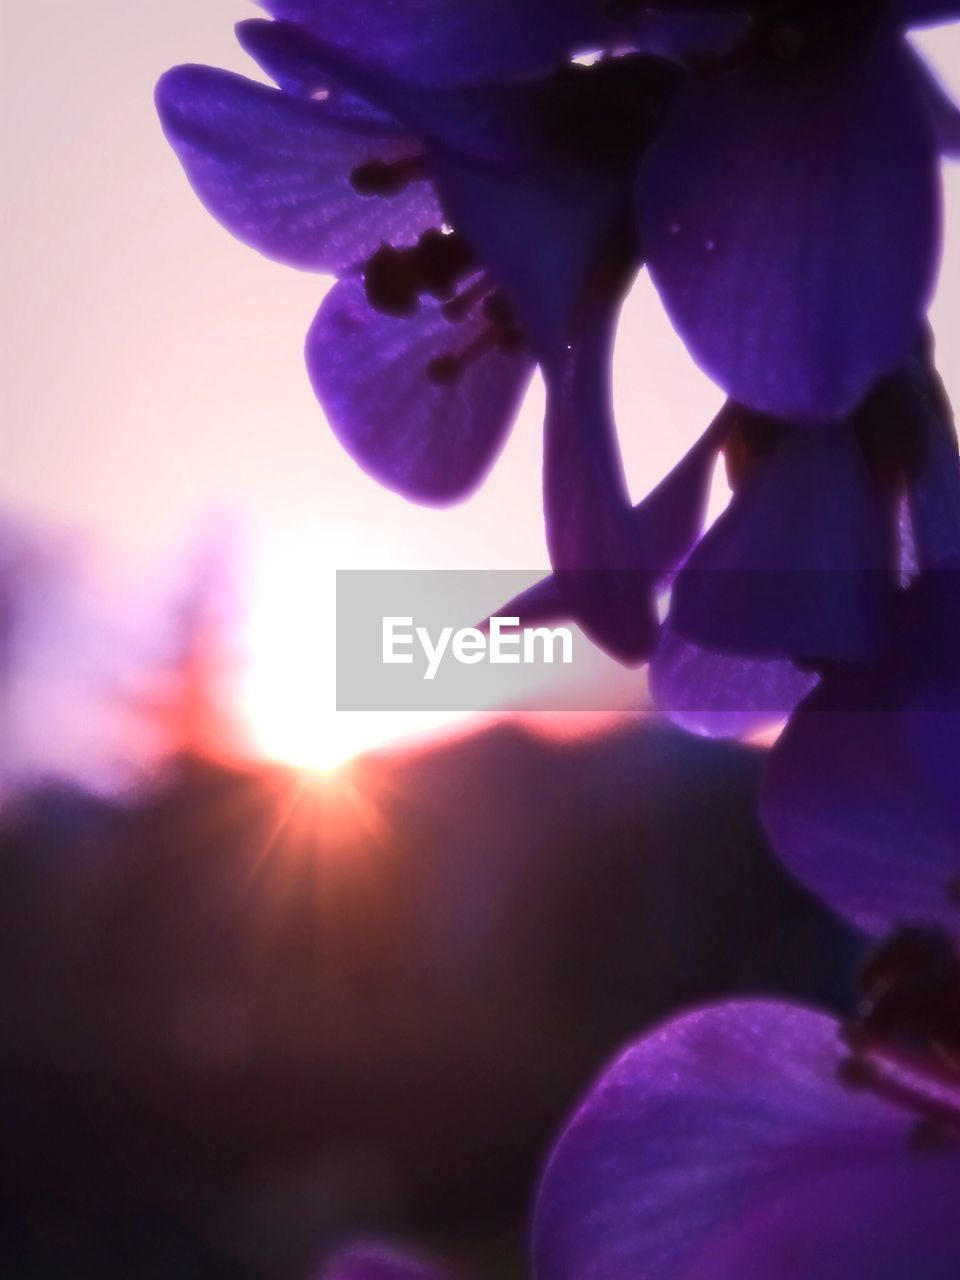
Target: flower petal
720, 696
684, 36
539, 235
850, 799
752, 205
916, 13
800, 564
275, 170
538, 217
608, 556
493, 124
932, 677
593, 543
449, 42
432, 441
933, 484
289, 56
894, 1220
689, 1129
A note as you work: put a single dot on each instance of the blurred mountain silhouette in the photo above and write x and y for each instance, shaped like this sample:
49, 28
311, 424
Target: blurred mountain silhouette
253, 1012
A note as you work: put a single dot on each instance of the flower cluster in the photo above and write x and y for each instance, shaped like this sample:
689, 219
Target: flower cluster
485, 197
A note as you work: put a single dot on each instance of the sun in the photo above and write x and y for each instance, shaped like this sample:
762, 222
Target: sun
288, 686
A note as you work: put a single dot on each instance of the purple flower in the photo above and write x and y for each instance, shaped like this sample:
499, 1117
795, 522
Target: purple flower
743, 1141
752, 204
476, 230
482, 222
328, 181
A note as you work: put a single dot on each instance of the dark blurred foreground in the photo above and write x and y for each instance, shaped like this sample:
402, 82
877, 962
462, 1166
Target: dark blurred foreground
251, 1015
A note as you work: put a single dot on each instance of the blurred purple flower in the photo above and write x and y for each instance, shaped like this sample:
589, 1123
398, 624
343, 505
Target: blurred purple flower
742, 1141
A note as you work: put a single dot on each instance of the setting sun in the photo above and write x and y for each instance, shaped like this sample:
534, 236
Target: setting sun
288, 695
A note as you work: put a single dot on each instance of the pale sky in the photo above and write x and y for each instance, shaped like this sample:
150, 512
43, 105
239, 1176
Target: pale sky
152, 366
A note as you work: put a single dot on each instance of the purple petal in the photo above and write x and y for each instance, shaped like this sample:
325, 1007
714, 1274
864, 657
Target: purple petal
376, 1262
559, 229
916, 13
432, 441
289, 56
886, 1222
542, 603
752, 209
720, 696
608, 556
933, 486
538, 235
851, 802
538, 218
616, 606
493, 124
689, 1130
682, 36
800, 563
449, 42
275, 170
932, 679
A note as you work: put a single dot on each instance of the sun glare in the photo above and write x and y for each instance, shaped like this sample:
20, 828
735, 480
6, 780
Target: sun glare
288, 699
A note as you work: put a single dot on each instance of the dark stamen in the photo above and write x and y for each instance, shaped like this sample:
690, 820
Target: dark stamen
386, 178
444, 259
392, 281
904, 1088
910, 991
447, 369
396, 278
